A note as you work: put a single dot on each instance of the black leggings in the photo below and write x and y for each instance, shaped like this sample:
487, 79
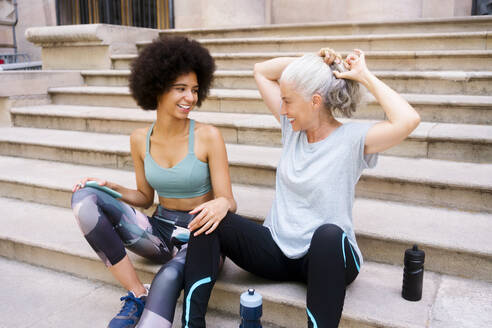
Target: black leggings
328, 267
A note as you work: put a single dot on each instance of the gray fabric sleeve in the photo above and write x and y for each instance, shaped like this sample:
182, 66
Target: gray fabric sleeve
286, 128
366, 160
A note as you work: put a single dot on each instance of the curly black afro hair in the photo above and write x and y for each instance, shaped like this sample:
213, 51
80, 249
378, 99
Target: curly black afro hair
162, 62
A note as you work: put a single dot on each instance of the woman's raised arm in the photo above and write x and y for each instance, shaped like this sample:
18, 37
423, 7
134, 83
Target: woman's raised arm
266, 75
402, 118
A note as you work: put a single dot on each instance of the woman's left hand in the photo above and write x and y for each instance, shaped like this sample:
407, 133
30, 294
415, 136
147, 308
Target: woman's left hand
357, 68
210, 215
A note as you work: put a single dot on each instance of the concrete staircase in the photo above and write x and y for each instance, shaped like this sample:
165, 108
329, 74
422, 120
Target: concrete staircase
435, 189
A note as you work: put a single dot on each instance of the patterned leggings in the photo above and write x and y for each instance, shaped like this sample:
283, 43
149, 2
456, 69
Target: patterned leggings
110, 226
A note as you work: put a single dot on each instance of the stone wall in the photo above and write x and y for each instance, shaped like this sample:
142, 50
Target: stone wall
31, 13
294, 11
223, 13
220, 13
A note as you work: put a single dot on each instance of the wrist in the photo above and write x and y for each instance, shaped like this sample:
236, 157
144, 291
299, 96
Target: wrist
111, 185
367, 78
226, 202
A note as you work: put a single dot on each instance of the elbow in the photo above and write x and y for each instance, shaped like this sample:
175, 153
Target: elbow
410, 121
148, 202
257, 69
415, 121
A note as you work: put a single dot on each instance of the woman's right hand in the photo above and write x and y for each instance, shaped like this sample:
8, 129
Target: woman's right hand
81, 183
354, 66
330, 56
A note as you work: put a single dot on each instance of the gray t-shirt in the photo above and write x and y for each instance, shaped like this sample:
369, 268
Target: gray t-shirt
315, 185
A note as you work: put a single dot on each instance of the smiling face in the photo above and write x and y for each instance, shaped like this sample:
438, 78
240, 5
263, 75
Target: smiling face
301, 114
182, 97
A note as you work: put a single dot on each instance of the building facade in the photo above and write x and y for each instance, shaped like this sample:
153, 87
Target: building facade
210, 14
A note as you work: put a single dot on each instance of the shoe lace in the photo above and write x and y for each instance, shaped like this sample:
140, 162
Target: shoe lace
130, 302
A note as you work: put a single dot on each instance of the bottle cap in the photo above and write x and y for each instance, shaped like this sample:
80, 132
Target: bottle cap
251, 299
415, 253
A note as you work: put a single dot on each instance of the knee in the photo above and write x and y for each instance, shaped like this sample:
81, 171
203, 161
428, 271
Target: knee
327, 235
82, 195
85, 209
168, 276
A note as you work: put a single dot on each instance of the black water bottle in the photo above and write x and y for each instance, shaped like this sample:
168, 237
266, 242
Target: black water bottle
250, 309
413, 274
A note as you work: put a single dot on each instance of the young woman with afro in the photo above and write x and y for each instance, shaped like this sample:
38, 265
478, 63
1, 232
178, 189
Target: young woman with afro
184, 161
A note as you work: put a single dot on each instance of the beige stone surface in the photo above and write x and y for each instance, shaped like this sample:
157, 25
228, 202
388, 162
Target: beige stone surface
427, 171
444, 108
219, 13
224, 13
101, 33
432, 182
385, 229
364, 26
400, 224
382, 9
443, 205
440, 8
32, 289
469, 60
79, 57
5, 118
19, 83
375, 42
460, 304
429, 82
429, 140
373, 300
33, 13
291, 11
462, 7
188, 14
85, 46
86, 303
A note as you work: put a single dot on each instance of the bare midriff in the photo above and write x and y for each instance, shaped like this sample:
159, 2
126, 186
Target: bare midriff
185, 204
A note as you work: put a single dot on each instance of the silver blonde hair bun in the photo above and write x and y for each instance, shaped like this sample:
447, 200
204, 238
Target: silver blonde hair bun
309, 75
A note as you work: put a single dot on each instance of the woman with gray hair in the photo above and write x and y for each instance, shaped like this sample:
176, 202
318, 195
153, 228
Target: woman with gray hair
308, 234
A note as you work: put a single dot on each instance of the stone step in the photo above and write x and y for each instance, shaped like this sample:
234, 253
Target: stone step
31, 289
432, 108
458, 142
374, 42
383, 227
447, 60
51, 183
430, 82
464, 186
283, 302
460, 24
61, 246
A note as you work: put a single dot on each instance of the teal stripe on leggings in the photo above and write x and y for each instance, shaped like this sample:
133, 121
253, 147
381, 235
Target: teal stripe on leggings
344, 236
343, 249
311, 317
188, 298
